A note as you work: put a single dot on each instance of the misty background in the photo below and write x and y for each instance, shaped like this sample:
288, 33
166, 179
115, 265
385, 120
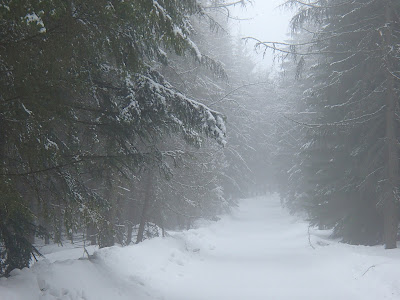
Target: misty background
126, 122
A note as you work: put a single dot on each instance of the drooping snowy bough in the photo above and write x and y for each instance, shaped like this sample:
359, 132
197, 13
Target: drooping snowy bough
82, 107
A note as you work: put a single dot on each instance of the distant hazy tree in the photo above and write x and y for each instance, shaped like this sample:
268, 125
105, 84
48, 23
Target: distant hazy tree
349, 156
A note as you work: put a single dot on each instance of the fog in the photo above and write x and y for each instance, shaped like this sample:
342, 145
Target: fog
150, 151
265, 20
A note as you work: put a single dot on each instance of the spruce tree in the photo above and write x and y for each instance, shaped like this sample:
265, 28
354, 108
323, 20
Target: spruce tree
82, 104
349, 157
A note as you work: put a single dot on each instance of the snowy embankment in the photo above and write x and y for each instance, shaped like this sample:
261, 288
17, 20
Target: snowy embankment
259, 253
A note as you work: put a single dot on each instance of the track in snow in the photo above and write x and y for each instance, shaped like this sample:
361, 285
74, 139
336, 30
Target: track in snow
259, 252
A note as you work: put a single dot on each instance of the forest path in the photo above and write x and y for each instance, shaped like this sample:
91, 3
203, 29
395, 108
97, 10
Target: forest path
260, 252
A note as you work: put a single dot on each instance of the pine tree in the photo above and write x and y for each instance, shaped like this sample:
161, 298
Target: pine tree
349, 155
81, 104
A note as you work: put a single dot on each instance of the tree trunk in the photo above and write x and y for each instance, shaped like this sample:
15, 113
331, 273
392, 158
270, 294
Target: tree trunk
130, 217
106, 230
91, 234
46, 226
129, 234
146, 205
390, 214
58, 228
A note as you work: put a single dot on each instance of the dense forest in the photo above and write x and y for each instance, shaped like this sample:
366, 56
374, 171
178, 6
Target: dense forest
343, 168
113, 121
122, 119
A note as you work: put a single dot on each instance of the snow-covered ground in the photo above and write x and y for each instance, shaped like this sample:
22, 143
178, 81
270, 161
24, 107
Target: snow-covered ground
258, 252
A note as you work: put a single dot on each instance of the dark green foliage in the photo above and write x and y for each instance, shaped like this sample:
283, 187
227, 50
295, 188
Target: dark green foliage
81, 104
16, 229
345, 143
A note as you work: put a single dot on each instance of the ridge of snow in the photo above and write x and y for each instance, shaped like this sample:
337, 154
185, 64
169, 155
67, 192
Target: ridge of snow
258, 252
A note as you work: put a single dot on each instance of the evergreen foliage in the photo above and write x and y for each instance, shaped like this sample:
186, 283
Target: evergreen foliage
348, 158
83, 106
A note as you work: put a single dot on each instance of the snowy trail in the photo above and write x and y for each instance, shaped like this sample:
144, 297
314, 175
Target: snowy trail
258, 252
262, 253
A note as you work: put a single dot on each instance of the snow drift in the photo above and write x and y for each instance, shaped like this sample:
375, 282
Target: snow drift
258, 252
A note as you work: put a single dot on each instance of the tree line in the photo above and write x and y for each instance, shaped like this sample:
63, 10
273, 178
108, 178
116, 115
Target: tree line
340, 150
113, 120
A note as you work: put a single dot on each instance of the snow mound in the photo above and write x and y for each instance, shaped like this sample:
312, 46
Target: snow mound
258, 252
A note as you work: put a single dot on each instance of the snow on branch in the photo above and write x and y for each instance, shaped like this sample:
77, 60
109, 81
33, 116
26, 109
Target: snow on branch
152, 102
345, 122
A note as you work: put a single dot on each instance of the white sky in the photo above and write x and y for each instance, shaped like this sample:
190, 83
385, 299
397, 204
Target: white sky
268, 22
